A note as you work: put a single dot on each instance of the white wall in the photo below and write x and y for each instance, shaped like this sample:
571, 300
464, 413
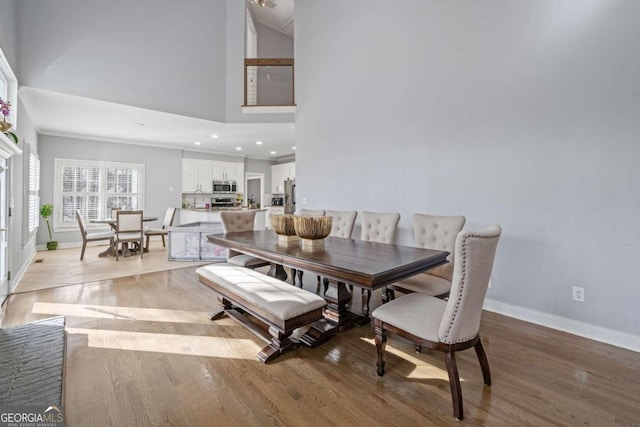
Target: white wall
157, 54
8, 32
524, 114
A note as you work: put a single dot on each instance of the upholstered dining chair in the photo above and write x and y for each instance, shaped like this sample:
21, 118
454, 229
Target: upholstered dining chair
446, 326
431, 232
377, 227
92, 237
129, 230
341, 226
237, 221
306, 212
166, 223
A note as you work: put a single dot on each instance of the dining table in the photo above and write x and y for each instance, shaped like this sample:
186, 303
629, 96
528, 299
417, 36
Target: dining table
366, 265
113, 224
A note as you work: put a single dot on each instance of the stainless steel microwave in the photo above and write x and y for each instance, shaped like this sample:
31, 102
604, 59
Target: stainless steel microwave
225, 187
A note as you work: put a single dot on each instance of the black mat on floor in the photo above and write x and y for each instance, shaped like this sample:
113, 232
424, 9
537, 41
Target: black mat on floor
31, 363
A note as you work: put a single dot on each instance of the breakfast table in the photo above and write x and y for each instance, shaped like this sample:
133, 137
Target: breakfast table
112, 223
367, 265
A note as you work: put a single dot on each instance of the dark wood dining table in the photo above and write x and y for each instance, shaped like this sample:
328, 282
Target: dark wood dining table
112, 223
367, 265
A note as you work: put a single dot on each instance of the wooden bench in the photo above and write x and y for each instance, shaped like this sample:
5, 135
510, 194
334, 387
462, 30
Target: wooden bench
278, 305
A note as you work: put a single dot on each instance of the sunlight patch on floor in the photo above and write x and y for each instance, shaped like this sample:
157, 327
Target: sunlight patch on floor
422, 370
127, 313
227, 348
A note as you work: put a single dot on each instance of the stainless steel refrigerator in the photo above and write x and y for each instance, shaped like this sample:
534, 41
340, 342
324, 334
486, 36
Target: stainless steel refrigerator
289, 196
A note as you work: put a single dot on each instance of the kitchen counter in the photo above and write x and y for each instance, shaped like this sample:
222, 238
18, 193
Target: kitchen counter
191, 215
221, 209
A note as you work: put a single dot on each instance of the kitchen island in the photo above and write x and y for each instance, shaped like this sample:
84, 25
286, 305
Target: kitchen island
190, 215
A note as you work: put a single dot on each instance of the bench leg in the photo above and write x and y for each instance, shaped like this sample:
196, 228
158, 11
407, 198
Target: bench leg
280, 342
217, 314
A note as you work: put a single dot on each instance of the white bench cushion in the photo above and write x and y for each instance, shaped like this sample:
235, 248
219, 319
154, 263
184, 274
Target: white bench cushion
281, 299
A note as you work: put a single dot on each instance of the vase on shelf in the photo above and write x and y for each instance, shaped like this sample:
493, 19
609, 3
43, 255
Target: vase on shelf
5, 126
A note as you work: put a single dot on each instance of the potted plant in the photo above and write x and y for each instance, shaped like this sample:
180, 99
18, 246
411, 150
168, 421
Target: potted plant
5, 109
45, 212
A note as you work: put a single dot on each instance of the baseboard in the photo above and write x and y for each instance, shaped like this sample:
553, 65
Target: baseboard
71, 245
15, 281
597, 333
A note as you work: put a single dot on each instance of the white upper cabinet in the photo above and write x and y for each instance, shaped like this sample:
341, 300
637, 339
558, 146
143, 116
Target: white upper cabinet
280, 173
200, 174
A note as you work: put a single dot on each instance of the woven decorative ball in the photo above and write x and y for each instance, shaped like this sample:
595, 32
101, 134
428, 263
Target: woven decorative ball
312, 229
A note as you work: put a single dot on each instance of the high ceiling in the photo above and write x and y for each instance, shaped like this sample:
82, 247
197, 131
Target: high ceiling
73, 116
279, 17
65, 115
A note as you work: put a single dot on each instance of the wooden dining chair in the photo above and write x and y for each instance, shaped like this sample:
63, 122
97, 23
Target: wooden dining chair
92, 237
162, 232
446, 326
129, 230
431, 232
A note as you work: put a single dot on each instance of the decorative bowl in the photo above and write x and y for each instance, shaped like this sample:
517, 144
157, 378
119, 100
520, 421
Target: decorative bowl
312, 230
283, 226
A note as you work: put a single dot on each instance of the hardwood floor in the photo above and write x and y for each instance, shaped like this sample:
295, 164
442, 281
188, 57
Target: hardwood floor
141, 352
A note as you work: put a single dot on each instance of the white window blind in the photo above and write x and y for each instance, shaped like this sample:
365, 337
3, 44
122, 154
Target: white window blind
34, 191
95, 188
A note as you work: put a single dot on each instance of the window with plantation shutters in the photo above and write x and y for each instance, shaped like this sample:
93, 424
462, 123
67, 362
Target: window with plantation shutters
34, 191
95, 188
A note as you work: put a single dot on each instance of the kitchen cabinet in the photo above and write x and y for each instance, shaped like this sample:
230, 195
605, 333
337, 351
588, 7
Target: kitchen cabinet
199, 174
272, 210
228, 171
196, 175
280, 173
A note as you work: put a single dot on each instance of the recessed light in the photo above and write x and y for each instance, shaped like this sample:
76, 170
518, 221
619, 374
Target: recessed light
214, 136
259, 142
273, 152
197, 142
294, 147
238, 148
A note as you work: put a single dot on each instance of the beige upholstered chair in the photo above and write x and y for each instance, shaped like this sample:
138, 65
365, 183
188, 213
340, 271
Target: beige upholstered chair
381, 228
343, 222
166, 223
237, 221
92, 237
341, 226
312, 212
129, 230
431, 232
446, 326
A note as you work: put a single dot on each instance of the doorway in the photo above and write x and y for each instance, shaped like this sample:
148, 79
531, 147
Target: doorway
254, 188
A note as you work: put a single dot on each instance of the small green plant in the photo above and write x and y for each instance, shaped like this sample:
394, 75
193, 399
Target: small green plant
45, 212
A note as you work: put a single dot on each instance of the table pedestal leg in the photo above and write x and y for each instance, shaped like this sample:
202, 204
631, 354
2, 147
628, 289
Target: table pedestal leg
337, 316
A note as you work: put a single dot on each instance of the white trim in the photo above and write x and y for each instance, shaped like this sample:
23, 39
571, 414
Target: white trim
597, 333
268, 109
8, 148
12, 88
15, 281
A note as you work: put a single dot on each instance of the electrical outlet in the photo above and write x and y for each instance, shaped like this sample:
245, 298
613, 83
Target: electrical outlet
577, 293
